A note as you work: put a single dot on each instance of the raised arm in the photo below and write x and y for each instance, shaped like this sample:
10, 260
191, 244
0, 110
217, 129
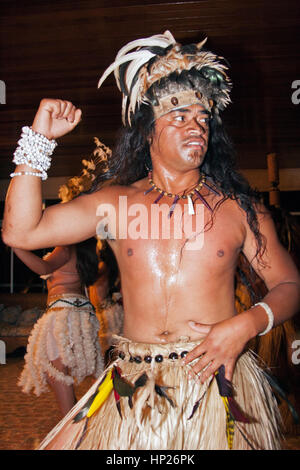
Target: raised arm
25, 225
46, 265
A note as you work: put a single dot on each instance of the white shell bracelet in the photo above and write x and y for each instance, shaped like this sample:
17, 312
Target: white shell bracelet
270, 315
30, 173
34, 150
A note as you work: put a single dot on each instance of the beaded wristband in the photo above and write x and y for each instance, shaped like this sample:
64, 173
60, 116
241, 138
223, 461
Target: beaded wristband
31, 173
270, 314
34, 150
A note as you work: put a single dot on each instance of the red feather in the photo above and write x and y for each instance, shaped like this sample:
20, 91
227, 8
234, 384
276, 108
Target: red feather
117, 398
235, 411
116, 395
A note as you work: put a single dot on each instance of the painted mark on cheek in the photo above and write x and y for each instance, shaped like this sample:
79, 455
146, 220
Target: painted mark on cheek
220, 253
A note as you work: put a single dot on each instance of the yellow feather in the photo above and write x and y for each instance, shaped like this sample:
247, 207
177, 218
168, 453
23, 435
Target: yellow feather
103, 393
229, 424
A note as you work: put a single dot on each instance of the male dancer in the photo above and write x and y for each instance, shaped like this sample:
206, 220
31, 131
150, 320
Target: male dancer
177, 281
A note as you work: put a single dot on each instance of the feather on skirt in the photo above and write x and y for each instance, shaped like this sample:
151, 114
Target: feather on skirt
68, 330
169, 410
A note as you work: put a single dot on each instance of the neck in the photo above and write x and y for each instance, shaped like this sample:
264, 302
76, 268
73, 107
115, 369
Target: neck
175, 182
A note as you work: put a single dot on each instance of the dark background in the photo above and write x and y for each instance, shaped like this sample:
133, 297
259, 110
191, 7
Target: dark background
59, 49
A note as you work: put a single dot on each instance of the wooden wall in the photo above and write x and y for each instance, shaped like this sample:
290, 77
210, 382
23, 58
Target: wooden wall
60, 48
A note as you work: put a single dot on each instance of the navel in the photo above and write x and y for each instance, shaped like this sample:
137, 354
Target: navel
220, 253
130, 252
163, 337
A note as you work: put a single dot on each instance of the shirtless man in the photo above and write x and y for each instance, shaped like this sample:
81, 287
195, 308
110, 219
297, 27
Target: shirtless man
170, 290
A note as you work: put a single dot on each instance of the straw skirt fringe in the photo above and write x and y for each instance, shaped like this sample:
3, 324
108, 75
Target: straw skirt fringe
110, 315
153, 423
69, 332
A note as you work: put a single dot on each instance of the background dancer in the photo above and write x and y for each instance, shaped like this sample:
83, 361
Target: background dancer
63, 346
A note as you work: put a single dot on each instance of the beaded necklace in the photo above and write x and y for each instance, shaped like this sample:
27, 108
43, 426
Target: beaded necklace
176, 197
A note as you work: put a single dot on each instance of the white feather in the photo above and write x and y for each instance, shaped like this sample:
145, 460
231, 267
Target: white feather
162, 40
134, 96
134, 67
147, 55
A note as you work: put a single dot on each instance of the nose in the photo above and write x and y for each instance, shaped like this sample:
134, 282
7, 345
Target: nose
196, 127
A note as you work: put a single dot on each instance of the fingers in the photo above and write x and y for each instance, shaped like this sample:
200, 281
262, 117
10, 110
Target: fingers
209, 360
65, 110
77, 116
208, 371
62, 109
195, 353
229, 368
206, 367
200, 327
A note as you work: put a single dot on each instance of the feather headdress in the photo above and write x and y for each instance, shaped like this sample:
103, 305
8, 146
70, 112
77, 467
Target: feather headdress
144, 62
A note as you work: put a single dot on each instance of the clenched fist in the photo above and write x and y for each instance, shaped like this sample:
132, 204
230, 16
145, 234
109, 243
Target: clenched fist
56, 118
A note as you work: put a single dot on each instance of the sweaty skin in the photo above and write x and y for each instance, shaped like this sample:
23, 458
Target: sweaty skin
168, 290
165, 285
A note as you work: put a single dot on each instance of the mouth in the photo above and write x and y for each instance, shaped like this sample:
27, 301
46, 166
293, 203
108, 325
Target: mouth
195, 143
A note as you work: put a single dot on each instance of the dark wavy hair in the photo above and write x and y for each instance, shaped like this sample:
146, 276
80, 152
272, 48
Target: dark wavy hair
131, 155
111, 268
87, 261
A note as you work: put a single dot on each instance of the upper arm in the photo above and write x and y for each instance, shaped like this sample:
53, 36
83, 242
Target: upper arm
64, 224
275, 265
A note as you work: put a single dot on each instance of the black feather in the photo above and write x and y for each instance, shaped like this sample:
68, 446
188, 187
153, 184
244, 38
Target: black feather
273, 381
160, 390
84, 411
141, 381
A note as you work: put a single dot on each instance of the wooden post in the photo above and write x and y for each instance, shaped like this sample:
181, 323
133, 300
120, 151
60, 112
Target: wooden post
273, 176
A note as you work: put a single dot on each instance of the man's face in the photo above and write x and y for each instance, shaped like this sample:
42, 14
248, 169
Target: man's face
180, 138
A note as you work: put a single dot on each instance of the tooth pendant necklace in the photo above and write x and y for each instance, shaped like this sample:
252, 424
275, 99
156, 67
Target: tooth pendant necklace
176, 197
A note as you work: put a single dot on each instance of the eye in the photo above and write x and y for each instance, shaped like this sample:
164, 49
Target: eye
179, 118
204, 120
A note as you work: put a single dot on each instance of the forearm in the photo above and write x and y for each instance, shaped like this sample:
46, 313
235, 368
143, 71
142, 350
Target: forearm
23, 225
284, 301
33, 262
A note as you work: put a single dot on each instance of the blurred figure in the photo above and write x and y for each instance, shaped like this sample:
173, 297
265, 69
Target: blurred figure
105, 295
63, 346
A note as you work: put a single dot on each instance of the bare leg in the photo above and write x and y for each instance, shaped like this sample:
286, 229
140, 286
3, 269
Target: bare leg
64, 394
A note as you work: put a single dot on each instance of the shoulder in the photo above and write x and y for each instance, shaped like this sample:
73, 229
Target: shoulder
111, 192
232, 208
249, 222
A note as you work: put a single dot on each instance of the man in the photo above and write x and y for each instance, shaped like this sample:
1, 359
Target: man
183, 343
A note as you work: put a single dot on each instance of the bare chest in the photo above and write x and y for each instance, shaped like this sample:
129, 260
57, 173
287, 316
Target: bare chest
152, 244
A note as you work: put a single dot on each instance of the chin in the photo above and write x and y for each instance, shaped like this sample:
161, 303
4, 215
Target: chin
196, 157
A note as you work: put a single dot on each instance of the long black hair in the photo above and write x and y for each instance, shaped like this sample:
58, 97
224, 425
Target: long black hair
87, 261
131, 156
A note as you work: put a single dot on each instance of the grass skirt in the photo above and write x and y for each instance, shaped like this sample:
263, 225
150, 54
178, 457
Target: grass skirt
158, 422
110, 315
68, 330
